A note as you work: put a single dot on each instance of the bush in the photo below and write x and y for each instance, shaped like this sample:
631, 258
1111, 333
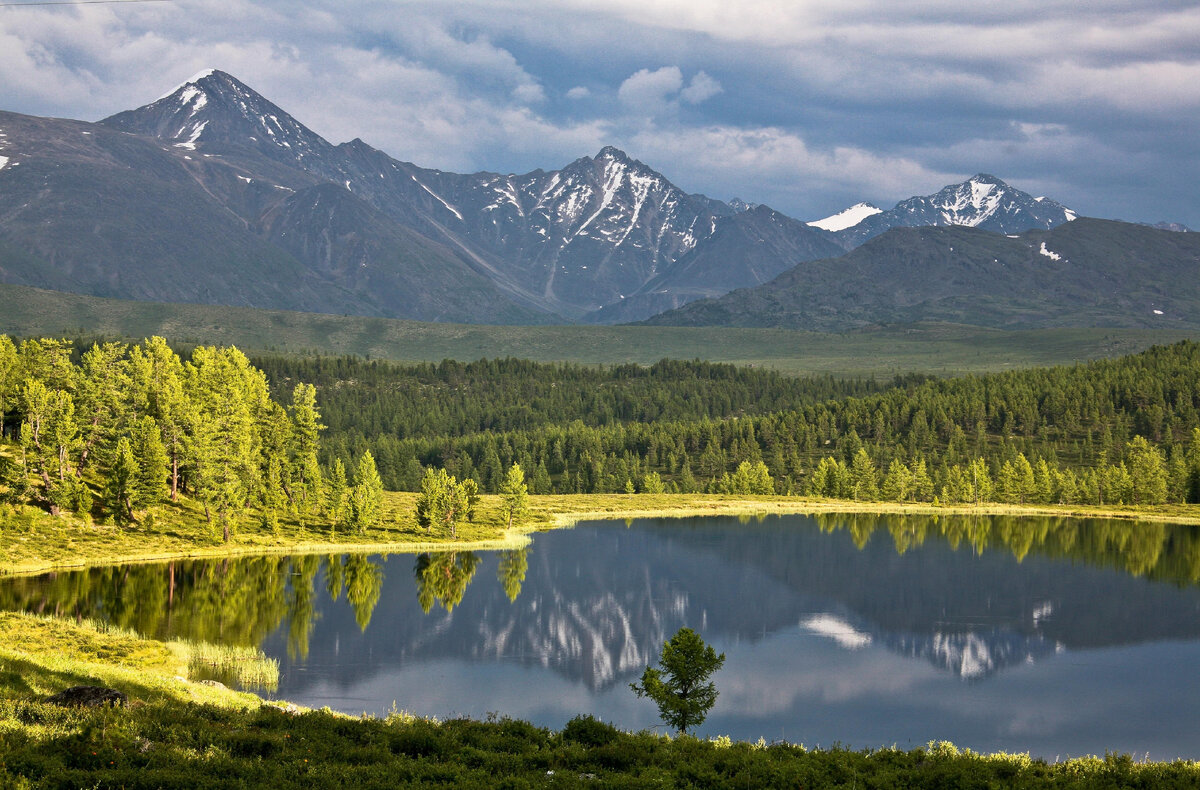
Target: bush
587, 730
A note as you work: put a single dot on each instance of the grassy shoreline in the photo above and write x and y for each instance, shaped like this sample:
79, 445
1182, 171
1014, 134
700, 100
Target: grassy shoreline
33, 542
177, 732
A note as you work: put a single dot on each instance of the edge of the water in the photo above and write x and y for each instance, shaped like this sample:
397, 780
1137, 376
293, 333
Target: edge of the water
565, 511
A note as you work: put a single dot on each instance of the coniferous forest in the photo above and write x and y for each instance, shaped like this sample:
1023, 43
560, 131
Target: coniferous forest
1120, 431
111, 429
115, 429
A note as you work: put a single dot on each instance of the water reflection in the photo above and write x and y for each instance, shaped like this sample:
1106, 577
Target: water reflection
842, 621
443, 577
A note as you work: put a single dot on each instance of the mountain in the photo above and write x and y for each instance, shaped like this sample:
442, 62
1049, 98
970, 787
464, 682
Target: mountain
753, 246
982, 201
1084, 273
203, 215
214, 194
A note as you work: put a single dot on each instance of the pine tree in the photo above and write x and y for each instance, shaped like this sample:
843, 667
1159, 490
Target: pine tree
150, 487
680, 686
1147, 472
121, 484
336, 494
897, 482
863, 476
366, 497
514, 495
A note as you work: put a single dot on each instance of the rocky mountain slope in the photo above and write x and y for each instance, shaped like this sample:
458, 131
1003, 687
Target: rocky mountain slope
212, 193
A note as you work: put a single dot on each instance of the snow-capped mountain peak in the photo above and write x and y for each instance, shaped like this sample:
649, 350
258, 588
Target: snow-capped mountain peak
982, 201
213, 108
847, 218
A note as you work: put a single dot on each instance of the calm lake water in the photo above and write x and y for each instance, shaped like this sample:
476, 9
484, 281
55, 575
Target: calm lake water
1058, 637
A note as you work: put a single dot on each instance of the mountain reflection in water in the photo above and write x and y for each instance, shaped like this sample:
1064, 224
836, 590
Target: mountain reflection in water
560, 627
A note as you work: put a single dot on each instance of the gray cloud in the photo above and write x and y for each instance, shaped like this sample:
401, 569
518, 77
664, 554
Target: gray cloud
805, 106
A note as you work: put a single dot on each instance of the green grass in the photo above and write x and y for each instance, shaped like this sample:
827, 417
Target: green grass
932, 348
32, 541
175, 733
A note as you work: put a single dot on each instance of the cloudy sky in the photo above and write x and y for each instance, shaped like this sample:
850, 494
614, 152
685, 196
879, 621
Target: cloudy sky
807, 105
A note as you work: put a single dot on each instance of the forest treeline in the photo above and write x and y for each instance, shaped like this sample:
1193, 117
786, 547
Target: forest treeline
134, 424
116, 429
1106, 432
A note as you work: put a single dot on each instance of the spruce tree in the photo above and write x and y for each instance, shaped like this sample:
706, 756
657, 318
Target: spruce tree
366, 497
121, 485
514, 495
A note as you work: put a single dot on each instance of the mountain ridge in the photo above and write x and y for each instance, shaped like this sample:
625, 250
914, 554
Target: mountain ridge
1088, 272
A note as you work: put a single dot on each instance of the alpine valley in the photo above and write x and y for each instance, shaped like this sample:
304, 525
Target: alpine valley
214, 195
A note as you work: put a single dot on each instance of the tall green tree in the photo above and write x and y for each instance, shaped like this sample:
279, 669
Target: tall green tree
443, 502
1147, 471
157, 380
336, 493
146, 443
120, 488
680, 686
366, 497
864, 478
514, 495
104, 389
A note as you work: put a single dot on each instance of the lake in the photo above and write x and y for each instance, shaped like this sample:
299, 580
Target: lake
1059, 637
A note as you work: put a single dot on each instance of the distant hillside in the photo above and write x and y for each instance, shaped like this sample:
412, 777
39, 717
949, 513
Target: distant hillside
933, 348
1088, 272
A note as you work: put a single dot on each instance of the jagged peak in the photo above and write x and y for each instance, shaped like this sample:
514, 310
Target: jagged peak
985, 178
612, 152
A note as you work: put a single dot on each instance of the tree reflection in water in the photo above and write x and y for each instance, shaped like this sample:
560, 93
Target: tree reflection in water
443, 577
242, 601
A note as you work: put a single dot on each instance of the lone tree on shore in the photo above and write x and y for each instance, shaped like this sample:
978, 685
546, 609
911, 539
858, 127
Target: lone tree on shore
681, 688
515, 495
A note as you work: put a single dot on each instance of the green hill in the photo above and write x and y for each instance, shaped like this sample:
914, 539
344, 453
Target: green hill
1088, 272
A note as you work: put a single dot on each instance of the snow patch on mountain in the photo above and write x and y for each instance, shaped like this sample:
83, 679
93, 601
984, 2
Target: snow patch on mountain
847, 218
1054, 256
435, 195
192, 80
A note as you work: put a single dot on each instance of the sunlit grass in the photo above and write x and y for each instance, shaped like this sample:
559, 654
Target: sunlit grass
176, 733
244, 667
32, 541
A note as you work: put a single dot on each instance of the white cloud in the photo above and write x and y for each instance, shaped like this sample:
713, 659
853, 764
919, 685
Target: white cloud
529, 93
651, 92
701, 88
578, 92
781, 165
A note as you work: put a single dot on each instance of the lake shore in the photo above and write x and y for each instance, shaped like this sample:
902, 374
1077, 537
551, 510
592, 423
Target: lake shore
174, 731
34, 542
